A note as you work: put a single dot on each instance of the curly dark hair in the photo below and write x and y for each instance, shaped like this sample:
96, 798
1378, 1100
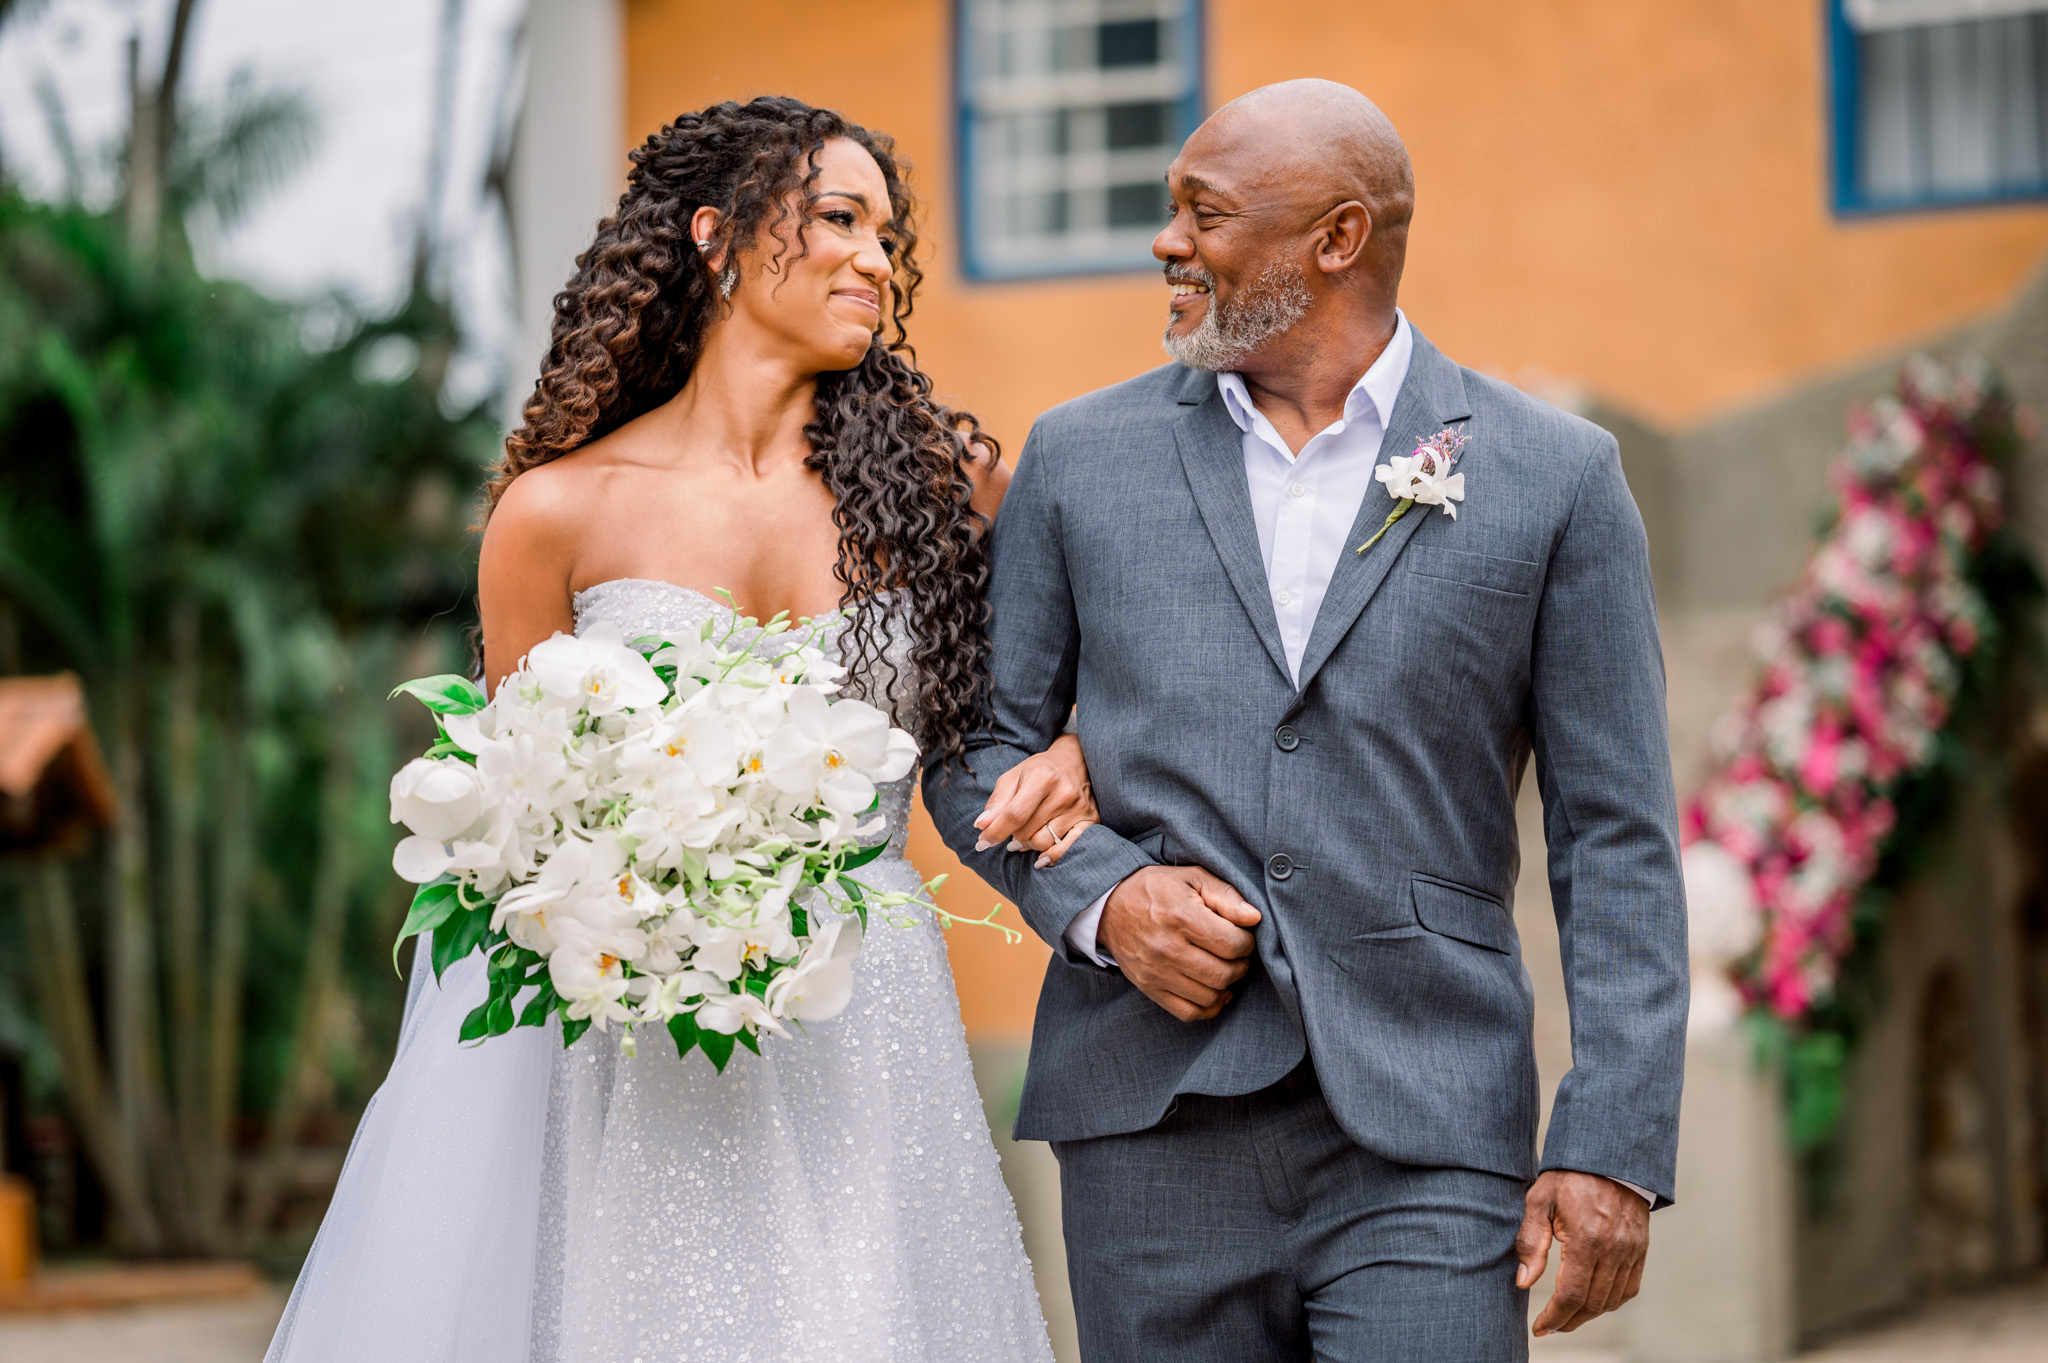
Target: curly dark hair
629, 328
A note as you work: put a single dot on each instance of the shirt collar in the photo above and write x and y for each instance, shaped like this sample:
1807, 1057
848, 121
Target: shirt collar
1379, 385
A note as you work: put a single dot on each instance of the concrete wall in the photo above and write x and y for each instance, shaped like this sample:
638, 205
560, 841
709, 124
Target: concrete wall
568, 164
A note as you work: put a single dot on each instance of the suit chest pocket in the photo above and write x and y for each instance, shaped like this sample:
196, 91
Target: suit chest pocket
1508, 576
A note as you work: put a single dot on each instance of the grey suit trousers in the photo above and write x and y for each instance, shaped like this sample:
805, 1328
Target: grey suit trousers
1251, 1228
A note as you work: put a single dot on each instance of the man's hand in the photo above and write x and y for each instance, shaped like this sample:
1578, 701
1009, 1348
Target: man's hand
1603, 1237
1181, 935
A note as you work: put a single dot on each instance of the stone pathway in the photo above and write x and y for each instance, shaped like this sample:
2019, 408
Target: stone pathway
2006, 1326
2009, 1326
215, 1332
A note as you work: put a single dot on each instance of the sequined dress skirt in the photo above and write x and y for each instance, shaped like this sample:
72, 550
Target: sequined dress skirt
835, 1198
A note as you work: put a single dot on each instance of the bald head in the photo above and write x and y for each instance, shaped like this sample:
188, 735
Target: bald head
1325, 141
1289, 229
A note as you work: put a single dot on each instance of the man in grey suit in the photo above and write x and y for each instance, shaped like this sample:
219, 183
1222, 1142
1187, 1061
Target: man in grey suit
1283, 1050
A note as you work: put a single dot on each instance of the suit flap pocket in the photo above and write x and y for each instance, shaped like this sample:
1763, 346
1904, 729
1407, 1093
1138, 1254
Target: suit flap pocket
1510, 575
1467, 915
1152, 842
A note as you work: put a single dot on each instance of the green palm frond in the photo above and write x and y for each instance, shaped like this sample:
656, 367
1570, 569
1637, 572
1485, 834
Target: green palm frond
234, 152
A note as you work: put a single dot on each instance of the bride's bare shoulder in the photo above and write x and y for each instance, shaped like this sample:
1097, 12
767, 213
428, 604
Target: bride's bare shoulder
553, 499
538, 527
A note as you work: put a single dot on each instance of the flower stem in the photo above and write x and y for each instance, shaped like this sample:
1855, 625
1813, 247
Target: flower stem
1400, 510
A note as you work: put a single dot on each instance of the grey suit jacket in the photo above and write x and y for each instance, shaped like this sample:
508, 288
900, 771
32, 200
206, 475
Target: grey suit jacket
1370, 812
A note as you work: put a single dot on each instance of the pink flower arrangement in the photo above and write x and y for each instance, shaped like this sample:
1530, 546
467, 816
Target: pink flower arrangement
1859, 667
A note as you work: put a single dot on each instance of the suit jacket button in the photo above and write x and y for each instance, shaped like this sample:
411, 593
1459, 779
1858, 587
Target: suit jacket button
1281, 866
1287, 738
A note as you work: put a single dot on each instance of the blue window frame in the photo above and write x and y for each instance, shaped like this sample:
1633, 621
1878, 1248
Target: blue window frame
1068, 113
1938, 103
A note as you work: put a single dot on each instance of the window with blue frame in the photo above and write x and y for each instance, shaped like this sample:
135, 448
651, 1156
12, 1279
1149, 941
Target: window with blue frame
1069, 113
1939, 102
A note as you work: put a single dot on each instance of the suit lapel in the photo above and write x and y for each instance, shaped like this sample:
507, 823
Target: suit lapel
1212, 453
1432, 397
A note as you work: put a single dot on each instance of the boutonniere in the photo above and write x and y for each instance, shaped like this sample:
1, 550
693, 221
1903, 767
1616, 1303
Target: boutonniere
1424, 476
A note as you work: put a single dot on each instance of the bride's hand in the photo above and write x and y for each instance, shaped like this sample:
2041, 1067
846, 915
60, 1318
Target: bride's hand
1041, 804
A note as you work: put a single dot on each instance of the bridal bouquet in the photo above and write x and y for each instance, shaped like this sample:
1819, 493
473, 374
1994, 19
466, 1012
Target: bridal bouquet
654, 831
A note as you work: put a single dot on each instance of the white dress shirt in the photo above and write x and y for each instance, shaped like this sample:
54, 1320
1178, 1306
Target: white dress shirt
1305, 505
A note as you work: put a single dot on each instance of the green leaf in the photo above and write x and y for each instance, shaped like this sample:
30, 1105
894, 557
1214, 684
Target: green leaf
446, 694
1816, 1073
449, 748
477, 1025
511, 962
539, 1006
431, 905
458, 937
683, 1027
499, 1017
799, 922
749, 1040
717, 1047
856, 892
855, 860
572, 1028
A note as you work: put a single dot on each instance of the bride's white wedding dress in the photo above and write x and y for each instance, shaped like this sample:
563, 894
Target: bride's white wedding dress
835, 1198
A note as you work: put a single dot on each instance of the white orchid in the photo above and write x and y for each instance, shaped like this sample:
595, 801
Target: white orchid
821, 985
824, 752
1421, 477
730, 1013
421, 861
593, 984
726, 950
595, 670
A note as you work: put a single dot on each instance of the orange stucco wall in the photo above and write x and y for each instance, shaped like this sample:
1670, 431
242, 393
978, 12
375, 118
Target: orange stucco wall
1625, 195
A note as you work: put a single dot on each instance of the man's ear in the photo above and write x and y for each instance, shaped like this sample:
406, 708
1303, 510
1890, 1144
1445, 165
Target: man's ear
1340, 236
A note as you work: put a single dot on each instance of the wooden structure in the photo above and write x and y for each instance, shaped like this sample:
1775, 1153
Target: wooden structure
54, 793
54, 786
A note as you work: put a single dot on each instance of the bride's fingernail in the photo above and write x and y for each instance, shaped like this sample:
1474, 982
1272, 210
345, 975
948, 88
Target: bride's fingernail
1018, 845
1042, 863
982, 844
983, 821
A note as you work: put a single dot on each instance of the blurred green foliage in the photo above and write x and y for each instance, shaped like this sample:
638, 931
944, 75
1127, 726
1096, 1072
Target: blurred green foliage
240, 521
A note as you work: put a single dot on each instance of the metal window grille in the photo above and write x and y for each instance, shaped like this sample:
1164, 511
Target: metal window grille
1070, 111
1940, 102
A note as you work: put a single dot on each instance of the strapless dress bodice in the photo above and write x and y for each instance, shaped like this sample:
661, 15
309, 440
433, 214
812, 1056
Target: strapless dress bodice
641, 606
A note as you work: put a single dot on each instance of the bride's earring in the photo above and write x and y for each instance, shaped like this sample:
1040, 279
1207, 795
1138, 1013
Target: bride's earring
727, 277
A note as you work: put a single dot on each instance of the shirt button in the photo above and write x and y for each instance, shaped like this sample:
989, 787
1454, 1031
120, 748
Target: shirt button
1287, 738
1281, 866
1295, 490
1283, 598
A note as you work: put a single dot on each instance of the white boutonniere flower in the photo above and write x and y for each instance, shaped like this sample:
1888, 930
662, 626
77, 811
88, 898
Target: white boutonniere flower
1424, 476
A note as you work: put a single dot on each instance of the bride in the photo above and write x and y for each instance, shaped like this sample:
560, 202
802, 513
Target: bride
728, 406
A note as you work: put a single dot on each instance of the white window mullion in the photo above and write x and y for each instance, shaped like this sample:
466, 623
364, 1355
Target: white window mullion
1878, 16
1040, 198
1958, 109
2019, 104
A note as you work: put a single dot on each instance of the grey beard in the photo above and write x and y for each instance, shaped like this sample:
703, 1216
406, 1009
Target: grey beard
1268, 307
